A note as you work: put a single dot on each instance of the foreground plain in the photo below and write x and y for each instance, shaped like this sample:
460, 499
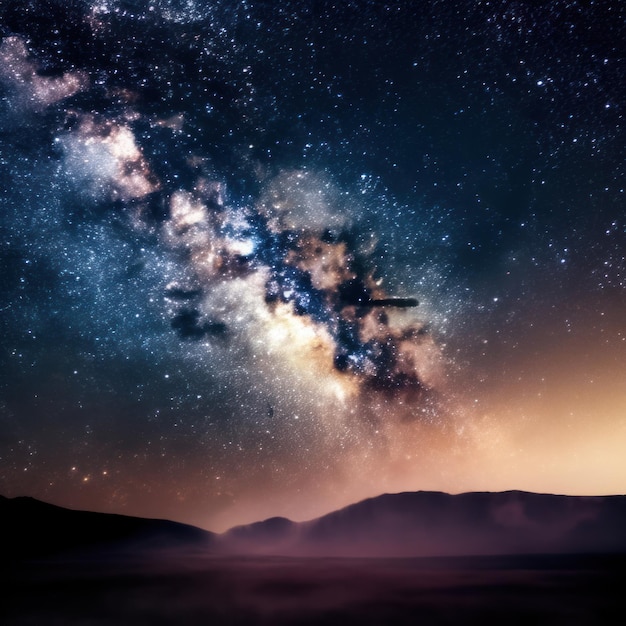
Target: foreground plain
196, 589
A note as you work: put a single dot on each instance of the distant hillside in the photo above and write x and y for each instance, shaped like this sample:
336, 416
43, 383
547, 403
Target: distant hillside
439, 524
31, 528
391, 525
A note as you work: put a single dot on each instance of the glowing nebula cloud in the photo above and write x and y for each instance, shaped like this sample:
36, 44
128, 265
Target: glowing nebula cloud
270, 261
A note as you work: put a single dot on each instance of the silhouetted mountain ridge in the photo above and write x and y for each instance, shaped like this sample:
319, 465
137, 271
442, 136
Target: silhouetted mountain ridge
409, 524
31, 528
439, 524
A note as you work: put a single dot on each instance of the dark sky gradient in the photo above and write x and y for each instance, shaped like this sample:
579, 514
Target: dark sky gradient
199, 202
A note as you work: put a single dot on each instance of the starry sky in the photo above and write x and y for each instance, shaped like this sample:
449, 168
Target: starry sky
217, 219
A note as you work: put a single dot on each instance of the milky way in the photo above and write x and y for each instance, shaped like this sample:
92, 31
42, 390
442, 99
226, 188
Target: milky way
267, 258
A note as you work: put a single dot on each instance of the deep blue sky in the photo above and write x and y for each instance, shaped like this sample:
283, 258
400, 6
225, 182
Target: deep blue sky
199, 200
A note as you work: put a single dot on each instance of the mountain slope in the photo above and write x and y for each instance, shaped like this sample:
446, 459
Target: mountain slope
391, 525
439, 524
31, 528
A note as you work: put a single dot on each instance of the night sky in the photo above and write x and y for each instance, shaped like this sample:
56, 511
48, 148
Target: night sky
215, 216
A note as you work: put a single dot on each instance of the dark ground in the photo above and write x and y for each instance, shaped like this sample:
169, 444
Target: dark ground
571, 590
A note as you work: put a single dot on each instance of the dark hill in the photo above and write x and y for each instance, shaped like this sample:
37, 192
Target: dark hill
276, 535
391, 525
31, 528
439, 524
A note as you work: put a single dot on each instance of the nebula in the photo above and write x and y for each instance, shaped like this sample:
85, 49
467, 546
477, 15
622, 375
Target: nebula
267, 260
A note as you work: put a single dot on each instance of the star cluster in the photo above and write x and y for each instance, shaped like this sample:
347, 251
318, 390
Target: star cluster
218, 219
